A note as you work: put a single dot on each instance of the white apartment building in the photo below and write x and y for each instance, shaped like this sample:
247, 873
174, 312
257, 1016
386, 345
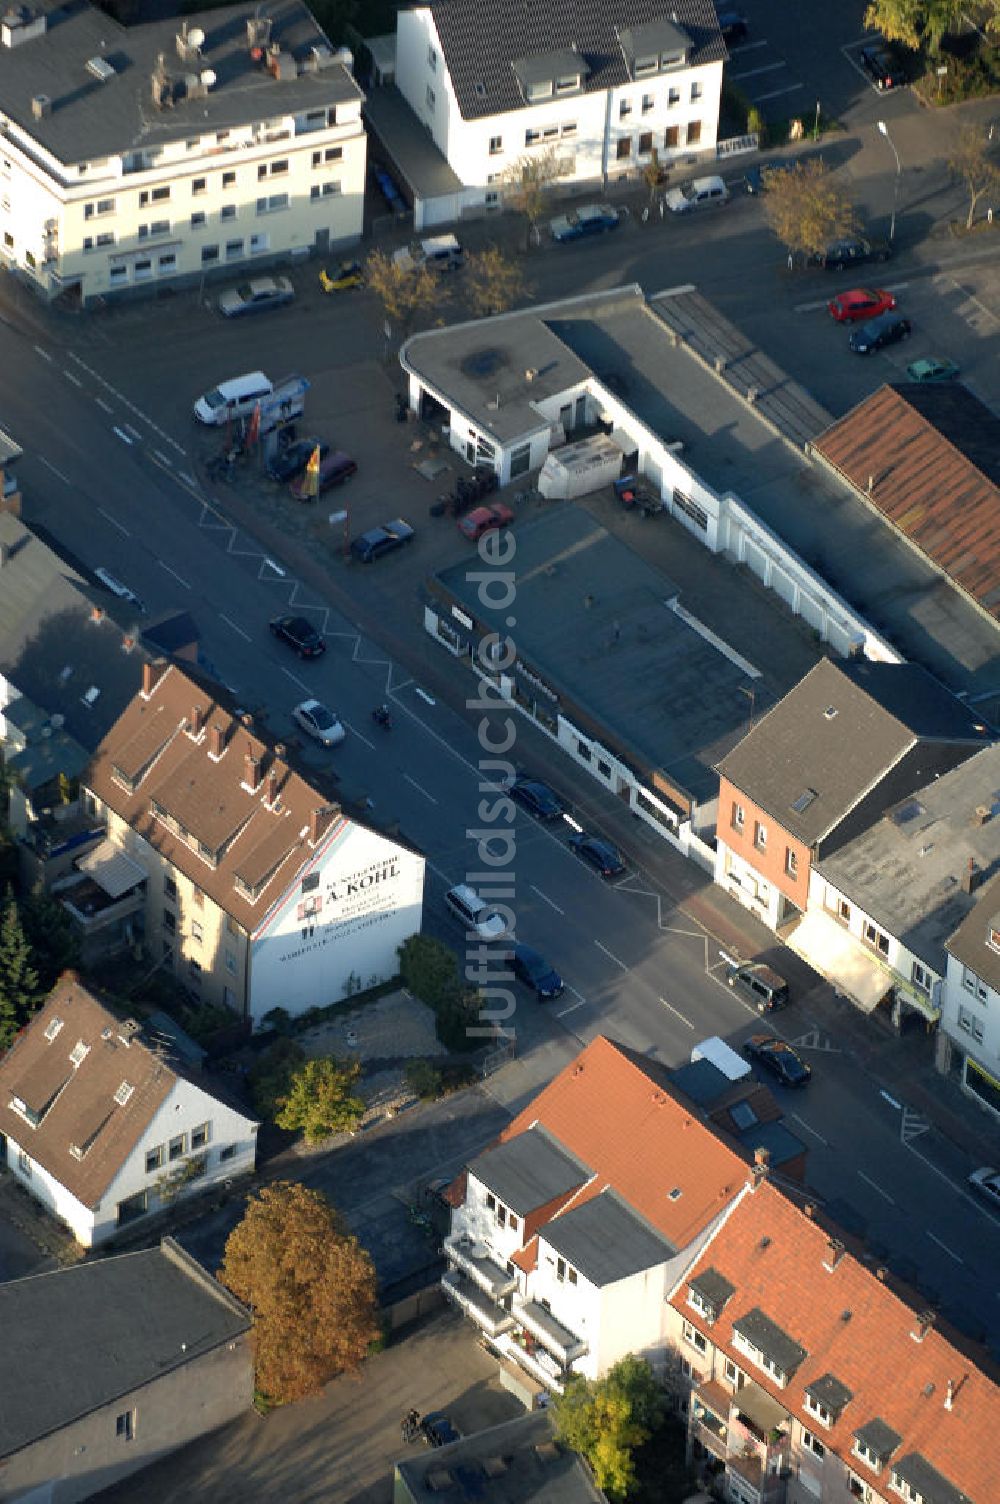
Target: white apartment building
602, 84
172, 149
970, 1019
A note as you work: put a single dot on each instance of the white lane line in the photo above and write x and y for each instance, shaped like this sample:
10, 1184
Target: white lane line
167, 463
419, 788
424, 695
573, 1006
949, 1251
75, 379
546, 899
122, 435
49, 466
114, 522
238, 630
360, 735
810, 307
294, 679
134, 432
105, 406
677, 1013
760, 98
753, 72
891, 1100
43, 353
188, 479
747, 47
610, 955
809, 1129
179, 578
875, 1187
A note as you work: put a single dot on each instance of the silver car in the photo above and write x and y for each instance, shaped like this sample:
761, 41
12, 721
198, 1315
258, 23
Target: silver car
319, 723
256, 296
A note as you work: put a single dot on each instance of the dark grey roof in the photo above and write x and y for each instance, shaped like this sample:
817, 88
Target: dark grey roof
479, 42
93, 119
713, 1287
931, 1485
79, 1338
170, 632
768, 1337
542, 67
409, 149
701, 1081
659, 36
879, 1438
833, 737
780, 1142
529, 1170
605, 1240
971, 942
830, 1392
518, 1462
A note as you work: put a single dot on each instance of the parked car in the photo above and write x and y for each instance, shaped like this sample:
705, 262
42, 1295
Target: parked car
294, 458
881, 66
887, 329
779, 1058
299, 634
760, 985
485, 520
699, 194
932, 369
604, 857
537, 798
756, 178
256, 296
319, 723
733, 26
477, 917
986, 1183
334, 469
860, 303
534, 971
349, 274
382, 540
437, 1430
388, 189
852, 251
589, 219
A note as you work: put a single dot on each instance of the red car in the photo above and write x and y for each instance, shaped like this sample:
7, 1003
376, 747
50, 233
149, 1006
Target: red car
860, 303
484, 520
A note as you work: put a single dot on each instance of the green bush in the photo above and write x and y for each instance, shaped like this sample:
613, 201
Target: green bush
425, 1078
757, 125
278, 1021
271, 1074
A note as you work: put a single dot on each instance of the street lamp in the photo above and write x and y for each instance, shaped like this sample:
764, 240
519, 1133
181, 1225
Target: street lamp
884, 129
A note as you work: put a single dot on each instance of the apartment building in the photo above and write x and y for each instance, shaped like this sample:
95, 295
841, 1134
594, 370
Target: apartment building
970, 1020
172, 149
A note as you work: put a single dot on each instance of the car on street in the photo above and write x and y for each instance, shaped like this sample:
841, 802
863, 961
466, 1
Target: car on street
700, 193
932, 369
853, 251
779, 1058
334, 469
437, 1430
757, 178
485, 520
317, 721
299, 634
534, 971
349, 275
537, 798
293, 459
256, 296
881, 66
860, 303
382, 540
603, 856
589, 219
986, 1183
887, 329
733, 26
765, 988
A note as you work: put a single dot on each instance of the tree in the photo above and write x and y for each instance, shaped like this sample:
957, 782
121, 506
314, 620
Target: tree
608, 1419
319, 1100
270, 1076
972, 164
652, 172
525, 183
806, 209
309, 1285
54, 942
492, 282
915, 23
404, 291
20, 993
430, 970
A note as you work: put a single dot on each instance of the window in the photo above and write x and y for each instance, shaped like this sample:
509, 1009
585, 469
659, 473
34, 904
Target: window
154, 196
272, 204
496, 145
624, 150
844, 910
154, 1159
646, 144
209, 253
648, 103
821, 1413
78, 1052
199, 1136
432, 59
160, 227
125, 1425
693, 132
972, 984
695, 91
738, 817
199, 185
921, 977
229, 180
234, 249
430, 98
491, 1202
568, 84
123, 1093
197, 934
760, 835
813, 1444
170, 921
53, 1028
231, 962
875, 938
761, 1360
531, 137
24, 1164
733, 1374
694, 1338
132, 1207
229, 1152
671, 136
167, 263
325, 190
569, 129
865, 1453
673, 96
197, 220
970, 1024
901, 1486
624, 109
791, 862
178, 1147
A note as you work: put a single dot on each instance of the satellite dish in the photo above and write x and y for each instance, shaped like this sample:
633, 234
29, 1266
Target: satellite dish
196, 37
208, 77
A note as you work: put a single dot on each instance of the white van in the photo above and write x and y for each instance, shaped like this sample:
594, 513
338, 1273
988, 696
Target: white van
697, 195
232, 399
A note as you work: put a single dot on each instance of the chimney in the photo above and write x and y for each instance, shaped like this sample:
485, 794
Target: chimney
96, 612
809, 1210
924, 1323
761, 1166
881, 1274
315, 826
216, 741
949, 1398
251, 772
834, 1254
970, 877
148, 680
197, 722
871, 484
271, 786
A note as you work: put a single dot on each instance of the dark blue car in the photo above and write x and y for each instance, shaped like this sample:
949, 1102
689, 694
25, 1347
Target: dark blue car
534, 971
589, 219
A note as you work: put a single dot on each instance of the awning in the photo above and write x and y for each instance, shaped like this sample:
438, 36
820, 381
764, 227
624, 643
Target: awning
112, 871
842, 959
758, 1406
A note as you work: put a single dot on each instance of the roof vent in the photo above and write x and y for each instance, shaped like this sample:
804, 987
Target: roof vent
925, 1321
41, 106
829, 712
189, 43
258, 35
21, 24
479, 89
100, 69
675, 1194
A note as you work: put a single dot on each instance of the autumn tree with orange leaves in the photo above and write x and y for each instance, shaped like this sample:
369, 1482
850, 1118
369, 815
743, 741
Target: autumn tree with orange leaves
309, 1285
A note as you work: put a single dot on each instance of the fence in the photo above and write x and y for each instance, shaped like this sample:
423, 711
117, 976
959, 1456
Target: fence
735, 146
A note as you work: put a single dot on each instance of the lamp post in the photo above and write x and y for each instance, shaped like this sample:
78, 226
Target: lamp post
884, 130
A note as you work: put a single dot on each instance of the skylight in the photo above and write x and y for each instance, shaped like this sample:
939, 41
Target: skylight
805, 798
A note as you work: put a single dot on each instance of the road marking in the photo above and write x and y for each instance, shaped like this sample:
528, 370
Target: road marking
913, 1125
573, 1006
753, 72
179, 578
748, 47
419, 788
49, 466
825, 1142
814, 1040
760, 98
75, 379
424, 695
294, 679
122, 435
360, 736
188, 480
276, 567
891, 1100
43, 353
949, 1251
546, 899
868, 1181
167, 463
135, 434
114, 522
238, 630
610, 955
677, 1013
105, 406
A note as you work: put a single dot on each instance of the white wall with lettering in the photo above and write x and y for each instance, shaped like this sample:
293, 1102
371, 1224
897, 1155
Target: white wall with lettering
339, 926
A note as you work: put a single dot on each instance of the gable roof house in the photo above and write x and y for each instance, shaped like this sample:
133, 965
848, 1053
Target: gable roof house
806, 1365
111, 1364
847, 743
255, 888
601, 84
970, 1018
102, 1126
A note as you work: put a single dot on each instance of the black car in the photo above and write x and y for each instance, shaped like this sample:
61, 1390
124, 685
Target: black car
755, 179
881, 67
779, 1058
437, 1430
599, 854
299, 634
291, 461
382, 540
537, 798
887, 329
535, 972
852, 251
733, 26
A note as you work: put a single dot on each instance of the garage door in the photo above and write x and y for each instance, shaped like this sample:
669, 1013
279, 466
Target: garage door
811, 611
755, 559
782, 584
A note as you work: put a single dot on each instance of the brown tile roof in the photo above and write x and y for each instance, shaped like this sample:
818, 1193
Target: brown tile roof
76, 1104
857, 1329
929, 462
180, 796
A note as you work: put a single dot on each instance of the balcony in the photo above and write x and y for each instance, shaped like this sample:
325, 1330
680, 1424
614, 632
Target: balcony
489, 1317
474, 1261
756, 1486
560, 1341
537, 1362
710, 1417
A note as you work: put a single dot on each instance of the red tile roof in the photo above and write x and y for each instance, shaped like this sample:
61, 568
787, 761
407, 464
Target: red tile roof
857, 1328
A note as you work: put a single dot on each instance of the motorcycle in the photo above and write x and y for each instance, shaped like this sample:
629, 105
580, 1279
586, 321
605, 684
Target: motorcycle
382, 716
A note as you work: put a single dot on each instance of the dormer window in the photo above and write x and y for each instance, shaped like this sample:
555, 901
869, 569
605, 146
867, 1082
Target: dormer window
539, 91
568, 85
655, 47
22, 1109
645, 65
52, 1028
78, 1053
123, 1093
